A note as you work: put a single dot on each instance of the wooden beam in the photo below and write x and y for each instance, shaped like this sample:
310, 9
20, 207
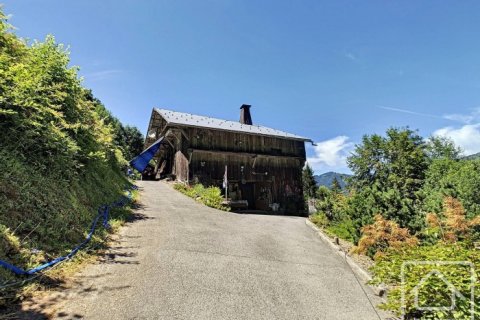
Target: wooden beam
243, 154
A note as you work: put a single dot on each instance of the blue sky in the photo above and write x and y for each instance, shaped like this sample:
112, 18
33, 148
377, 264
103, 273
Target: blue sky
328, 70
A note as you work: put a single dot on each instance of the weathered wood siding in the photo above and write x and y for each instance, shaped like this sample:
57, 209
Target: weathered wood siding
272, 167
240, 142
276, 179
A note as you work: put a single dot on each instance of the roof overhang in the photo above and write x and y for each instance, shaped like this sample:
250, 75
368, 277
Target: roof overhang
179, 119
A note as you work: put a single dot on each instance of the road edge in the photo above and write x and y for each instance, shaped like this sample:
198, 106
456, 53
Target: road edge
363, 274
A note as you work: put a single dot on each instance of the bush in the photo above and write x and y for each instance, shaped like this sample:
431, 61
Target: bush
320, 219
343, 229
433, 291
210, 196
332, 203
383, 235
333, 208
452, 225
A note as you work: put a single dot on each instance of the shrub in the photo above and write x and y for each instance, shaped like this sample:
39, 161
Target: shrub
210, 196
343, 229
332, 203
452, 225
197, 191
333, 213
432, 291
320, 219
382, 235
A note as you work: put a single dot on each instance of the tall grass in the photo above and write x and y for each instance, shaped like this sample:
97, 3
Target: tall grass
43, 215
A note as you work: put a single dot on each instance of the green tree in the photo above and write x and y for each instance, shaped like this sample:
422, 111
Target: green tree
309, 184
452, 178
127, 138
388, 172
442, 148
324, 203
131, 140
323, 193
336, 187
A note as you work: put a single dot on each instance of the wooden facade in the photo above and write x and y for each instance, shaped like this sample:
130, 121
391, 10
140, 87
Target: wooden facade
263, 169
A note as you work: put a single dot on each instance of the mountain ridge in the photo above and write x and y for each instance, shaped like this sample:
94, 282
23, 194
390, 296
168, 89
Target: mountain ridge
472, 156
326, 179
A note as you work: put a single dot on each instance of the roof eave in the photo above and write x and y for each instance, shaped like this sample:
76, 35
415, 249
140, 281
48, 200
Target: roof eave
242, 132
224, 129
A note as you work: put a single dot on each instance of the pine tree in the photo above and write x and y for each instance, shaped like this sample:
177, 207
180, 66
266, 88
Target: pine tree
336, 187
309, 184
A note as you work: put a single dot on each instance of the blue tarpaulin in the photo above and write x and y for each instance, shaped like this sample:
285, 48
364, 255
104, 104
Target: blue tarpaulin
141, 161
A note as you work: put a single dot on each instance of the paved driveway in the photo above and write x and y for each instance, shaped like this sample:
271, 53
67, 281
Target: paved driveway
187, 261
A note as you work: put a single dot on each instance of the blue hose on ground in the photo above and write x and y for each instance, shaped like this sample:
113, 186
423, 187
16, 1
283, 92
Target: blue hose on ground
103, 212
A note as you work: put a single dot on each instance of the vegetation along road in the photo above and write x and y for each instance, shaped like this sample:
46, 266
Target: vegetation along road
188, 261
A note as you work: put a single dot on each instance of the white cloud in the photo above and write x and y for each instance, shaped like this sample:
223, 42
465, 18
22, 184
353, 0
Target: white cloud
467, 137
473, 116
331, 155
458, 117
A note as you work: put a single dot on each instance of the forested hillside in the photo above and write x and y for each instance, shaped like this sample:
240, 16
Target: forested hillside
61, 152
327, 179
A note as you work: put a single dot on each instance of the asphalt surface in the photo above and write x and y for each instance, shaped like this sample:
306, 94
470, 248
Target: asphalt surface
182, 260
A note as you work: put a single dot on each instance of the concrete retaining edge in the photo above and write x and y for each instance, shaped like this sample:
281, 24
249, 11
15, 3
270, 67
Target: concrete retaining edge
356, 268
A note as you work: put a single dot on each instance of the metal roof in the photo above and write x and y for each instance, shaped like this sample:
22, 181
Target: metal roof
187, 119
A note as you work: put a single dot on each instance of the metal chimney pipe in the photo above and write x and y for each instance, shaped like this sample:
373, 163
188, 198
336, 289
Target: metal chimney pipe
245, 117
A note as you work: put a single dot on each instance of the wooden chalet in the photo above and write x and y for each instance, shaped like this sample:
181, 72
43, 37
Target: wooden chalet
264, 165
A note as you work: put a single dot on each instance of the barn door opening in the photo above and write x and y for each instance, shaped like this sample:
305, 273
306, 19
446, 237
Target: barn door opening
248, 193
165, 162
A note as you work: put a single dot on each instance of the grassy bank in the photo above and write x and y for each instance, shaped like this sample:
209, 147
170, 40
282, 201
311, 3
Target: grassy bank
44, 216
61, 157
